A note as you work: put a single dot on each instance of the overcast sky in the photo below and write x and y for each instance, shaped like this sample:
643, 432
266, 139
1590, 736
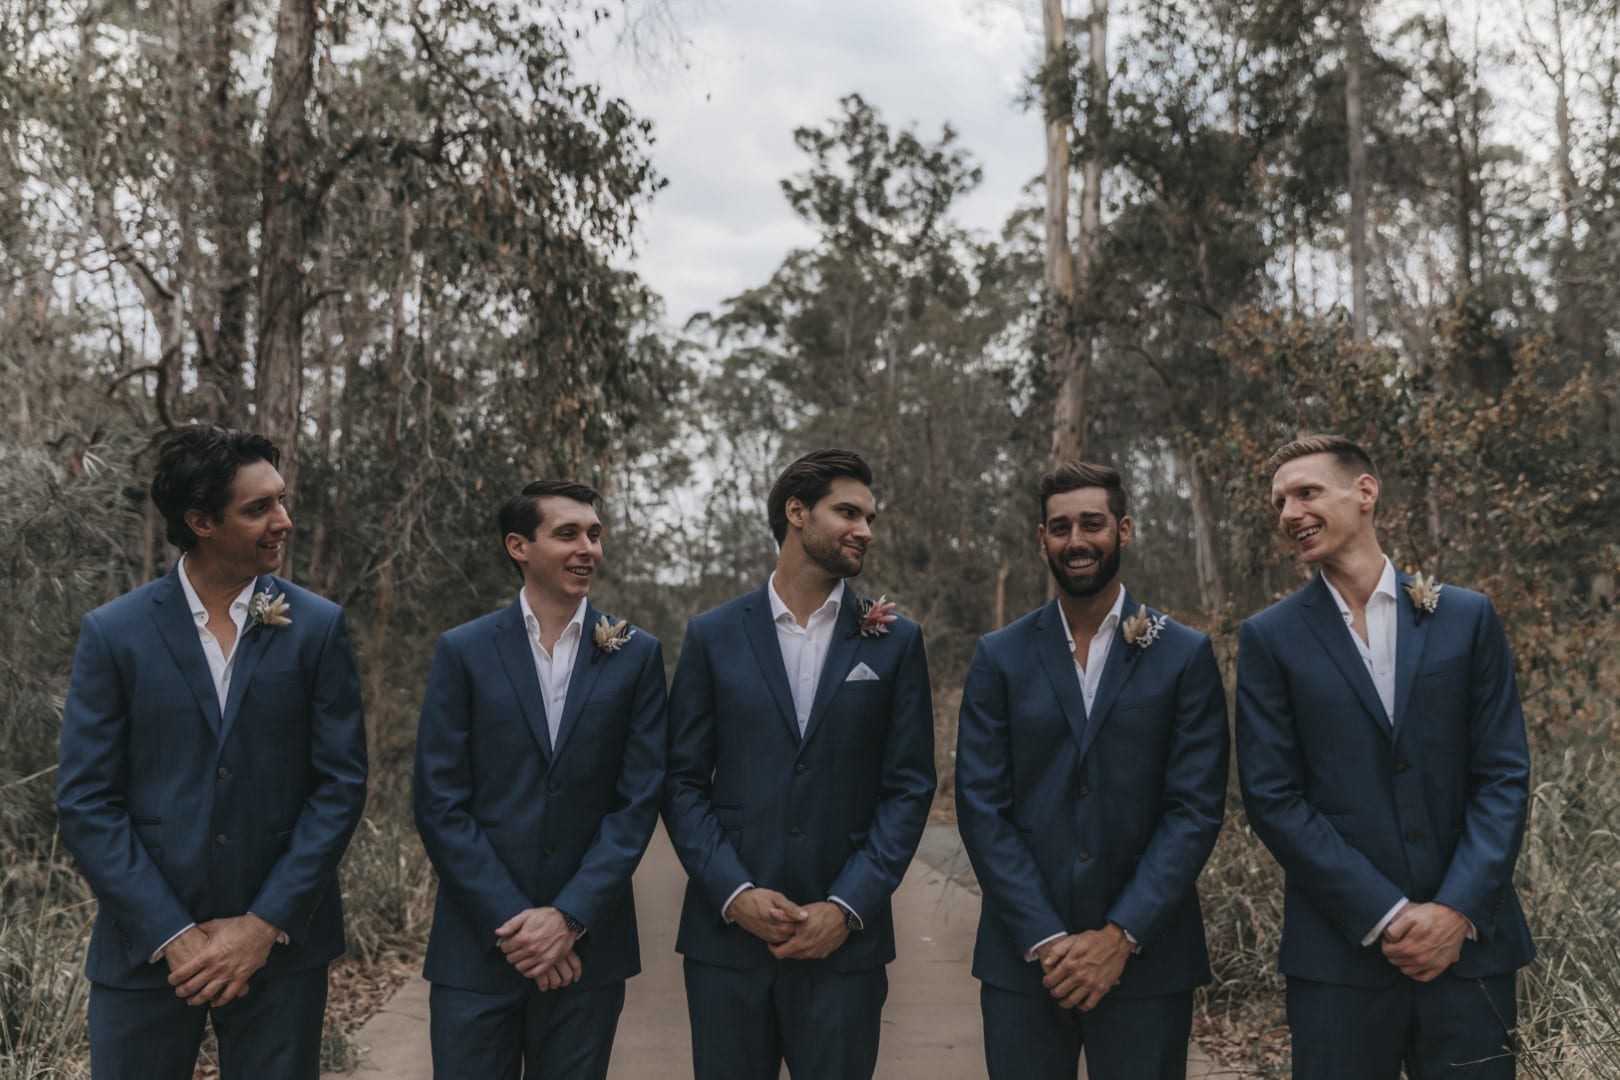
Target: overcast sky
750, 71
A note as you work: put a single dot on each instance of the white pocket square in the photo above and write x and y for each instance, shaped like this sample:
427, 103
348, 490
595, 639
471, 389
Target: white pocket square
862, 673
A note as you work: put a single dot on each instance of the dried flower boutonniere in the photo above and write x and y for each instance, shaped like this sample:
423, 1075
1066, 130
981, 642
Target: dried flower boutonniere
1142, 629
266, 610
611, 636
876, 615
1425, 594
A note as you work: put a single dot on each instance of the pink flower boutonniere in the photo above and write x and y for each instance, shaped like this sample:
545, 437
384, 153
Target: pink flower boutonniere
876, 615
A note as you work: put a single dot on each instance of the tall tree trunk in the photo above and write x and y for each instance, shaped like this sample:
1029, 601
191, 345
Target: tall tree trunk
1068, 369
1355, 134
1212, 593
283, 240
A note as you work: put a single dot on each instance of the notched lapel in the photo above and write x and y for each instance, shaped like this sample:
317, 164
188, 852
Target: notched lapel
1117, 669
1052, 644
1411, 635
588, 663
249, 650
1323, 618
512, 646
175, 625
761, 635
846, 641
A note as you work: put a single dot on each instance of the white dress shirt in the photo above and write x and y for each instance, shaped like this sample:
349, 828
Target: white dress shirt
1090, 675
1378, 651
220, 666
804, 648
555, 669
1097, 653
804, 655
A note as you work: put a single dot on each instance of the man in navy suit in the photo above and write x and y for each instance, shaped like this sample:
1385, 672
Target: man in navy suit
539, 769
1090, 784
801, 771
213, 769
1382, 755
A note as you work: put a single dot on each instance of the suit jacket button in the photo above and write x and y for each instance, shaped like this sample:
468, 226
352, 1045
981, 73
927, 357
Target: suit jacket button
1411, 836
1084, 856
222, 772
796, 831
1085, 789
221, 839
553, 786
800, 768
545, 851
1400, 766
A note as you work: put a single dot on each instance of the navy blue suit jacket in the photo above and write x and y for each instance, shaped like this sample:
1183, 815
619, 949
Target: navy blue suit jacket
1360, 813
836, 813
511, 821
178, 812
1073, 820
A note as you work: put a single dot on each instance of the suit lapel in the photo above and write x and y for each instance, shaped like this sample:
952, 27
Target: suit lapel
588, 663
846, 639
178, 629
249, 648
1323, 617
1411, 635
1052, 645
512, 646
1117, 669
761, 634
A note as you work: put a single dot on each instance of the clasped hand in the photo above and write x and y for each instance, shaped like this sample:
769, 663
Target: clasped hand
1424, 940
793, 932
1082, 968
210, 964
539, 944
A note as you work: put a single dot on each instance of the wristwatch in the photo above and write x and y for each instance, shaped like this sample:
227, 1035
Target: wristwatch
852, 922
574, 926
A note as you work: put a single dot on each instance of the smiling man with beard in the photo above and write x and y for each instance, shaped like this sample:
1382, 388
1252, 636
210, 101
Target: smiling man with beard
1090, 784
801, 769
1383, 759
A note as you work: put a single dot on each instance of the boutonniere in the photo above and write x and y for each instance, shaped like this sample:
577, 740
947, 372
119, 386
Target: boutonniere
876, 615
1142, 629
1425, 594
266, 610
611, 636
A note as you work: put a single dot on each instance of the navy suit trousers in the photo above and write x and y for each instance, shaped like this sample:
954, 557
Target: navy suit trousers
1035, 1038
524, 1033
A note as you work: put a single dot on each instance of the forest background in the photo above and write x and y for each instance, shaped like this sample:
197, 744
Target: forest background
398, 236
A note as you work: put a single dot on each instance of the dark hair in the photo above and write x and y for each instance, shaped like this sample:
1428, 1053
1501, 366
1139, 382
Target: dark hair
1074, 475
1347, 455
521, 513
808, 480
196, 467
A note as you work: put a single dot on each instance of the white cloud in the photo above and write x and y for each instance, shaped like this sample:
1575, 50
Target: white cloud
753, 70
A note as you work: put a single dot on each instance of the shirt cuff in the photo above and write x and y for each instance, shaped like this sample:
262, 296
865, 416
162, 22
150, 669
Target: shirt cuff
1130, 939
726, 907
158, 955
859, 925
281, 935
1383, 923
1033, 953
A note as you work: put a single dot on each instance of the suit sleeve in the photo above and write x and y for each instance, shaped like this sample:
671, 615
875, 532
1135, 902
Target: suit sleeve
91, 788
705, 852
467, 865
291, 891
1481, 869
873, 871
1194, 801
1012, 881
604, 873
1337, 877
